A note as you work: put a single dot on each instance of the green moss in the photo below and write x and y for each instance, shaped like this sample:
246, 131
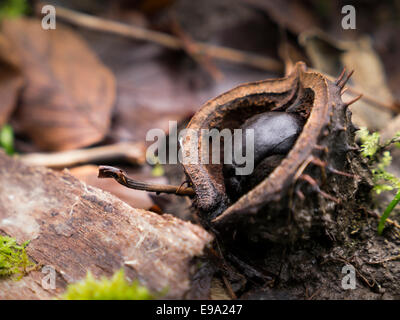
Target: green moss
370, 142
379, 160
13, 258
7, 139
115, 288
13, 8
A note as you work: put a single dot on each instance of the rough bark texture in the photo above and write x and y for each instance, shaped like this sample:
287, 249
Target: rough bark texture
75, 228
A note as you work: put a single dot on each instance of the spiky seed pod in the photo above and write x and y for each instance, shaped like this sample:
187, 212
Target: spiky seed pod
322, 178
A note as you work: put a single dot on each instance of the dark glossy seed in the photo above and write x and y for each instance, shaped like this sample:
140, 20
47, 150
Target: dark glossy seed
274, 135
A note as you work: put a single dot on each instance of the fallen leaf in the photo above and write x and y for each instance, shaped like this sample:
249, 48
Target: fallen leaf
387, 45
330, 56
69, 95
11, 80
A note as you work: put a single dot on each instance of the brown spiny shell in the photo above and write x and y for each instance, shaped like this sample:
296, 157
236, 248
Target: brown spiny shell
322, 175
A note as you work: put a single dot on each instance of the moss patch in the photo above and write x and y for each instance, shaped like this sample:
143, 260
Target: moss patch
115, 288
7, 139
13, 8
13, 258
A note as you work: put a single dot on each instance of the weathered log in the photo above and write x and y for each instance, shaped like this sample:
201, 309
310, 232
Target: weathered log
76, 228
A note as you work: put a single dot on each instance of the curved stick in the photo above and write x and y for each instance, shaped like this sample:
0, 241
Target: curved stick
121, 177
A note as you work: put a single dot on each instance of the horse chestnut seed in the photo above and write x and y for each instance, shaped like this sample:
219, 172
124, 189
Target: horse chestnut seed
274, 135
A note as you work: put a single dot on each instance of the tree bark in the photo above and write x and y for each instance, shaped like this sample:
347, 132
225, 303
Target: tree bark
76, 228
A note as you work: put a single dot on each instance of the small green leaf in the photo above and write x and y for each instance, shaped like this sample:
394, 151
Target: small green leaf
379, 188
157, 171
7, 139
387, 212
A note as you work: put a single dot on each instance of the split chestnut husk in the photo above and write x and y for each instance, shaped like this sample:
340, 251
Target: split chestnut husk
320, 179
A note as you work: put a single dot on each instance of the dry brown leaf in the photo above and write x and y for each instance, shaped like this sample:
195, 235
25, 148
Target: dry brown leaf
11, 79
330, 56
69, 95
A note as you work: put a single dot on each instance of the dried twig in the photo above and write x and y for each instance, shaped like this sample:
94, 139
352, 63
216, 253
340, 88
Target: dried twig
357, 269
228, 286
214, 51
385, 260
316, 292
166, 40
194, 51
121, 177
133, 152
